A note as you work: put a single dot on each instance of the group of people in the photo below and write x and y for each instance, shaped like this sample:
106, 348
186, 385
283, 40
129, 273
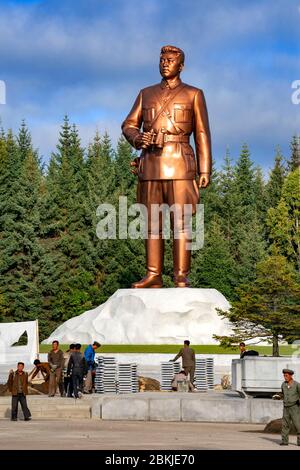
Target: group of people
67, 371
290, 389
72, 373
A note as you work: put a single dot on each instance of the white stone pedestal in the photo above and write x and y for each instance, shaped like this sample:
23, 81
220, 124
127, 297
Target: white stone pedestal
149, 316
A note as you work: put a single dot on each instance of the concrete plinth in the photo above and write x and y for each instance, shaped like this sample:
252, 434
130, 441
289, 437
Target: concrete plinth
133, 409
223, 410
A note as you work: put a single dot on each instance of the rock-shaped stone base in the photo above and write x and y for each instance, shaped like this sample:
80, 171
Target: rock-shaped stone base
149, 316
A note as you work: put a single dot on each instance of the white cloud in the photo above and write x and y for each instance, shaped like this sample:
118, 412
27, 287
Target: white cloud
92, 66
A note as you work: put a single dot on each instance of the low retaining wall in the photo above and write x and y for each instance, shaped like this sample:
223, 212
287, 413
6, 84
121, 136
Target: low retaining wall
151, 406
212, 407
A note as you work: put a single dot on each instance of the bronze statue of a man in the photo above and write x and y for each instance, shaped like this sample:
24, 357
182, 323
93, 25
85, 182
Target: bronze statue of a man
167, 169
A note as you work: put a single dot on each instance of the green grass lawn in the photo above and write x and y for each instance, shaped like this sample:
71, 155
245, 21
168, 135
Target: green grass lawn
174, 348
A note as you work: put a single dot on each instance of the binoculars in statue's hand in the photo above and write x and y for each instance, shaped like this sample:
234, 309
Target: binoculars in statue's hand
157, 140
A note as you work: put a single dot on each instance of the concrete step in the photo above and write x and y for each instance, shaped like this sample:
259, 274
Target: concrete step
41, 407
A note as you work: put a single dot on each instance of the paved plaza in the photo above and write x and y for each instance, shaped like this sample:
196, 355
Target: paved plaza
96, 434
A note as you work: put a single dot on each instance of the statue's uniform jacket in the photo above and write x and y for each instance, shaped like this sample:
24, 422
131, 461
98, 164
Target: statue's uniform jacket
187, 110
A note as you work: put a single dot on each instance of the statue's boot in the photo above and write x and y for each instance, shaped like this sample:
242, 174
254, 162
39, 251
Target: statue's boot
154, 260
181, 262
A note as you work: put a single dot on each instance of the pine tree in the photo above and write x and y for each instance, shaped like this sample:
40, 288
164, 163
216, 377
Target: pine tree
100, 185
244, 177
260, 194
214, 266
70, 252
125, 181
229, 197
276, 180
250, 247
294, 161
24, 141
210, 196
268, 308
128, 254
100, 170
247, 235
20, 251
284, 220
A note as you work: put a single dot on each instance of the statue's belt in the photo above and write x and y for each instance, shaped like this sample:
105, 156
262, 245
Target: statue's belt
176, 138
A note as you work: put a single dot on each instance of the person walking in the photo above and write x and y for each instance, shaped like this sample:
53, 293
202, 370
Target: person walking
56, 362
89, 355
18, 386
291, 406
188, 360
77, 369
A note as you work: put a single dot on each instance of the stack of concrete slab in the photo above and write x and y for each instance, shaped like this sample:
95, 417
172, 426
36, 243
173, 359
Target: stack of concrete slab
112, 377
204, 374
210, 373
106, 375
127, 378
168, 370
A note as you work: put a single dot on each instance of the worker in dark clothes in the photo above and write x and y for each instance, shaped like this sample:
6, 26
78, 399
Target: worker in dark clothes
18, 386
77, 369
188, 360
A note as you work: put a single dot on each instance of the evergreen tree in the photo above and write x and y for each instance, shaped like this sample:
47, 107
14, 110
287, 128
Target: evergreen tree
210, 196
244, 177
100, 170
260, 194
294, 161
69, 249
284, 220
125, 181
100, 185
247, 226
130, 250
214, 266
20, 252
229, 199
268, 308
276, 180
24, 141
250, 247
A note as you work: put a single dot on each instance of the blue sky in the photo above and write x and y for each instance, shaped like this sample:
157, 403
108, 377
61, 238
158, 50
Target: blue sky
89, 58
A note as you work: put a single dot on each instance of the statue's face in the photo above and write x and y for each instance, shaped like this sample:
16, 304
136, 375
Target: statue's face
169, 65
